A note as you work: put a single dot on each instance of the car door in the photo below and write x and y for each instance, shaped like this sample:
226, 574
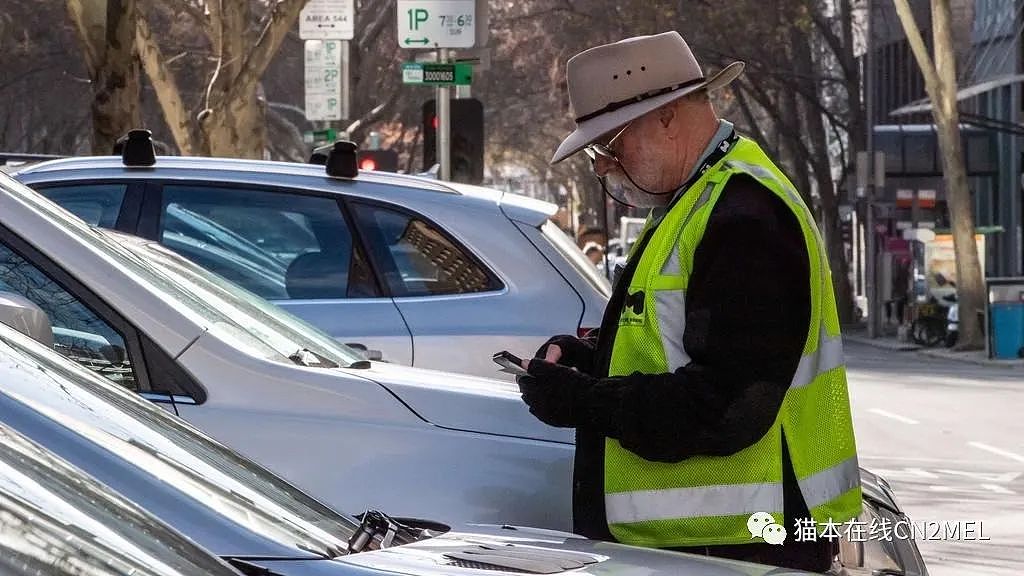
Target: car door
89, 332
457, 308
294, 249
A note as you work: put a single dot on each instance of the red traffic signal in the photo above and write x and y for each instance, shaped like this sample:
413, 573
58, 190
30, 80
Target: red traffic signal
380, 160
467, 139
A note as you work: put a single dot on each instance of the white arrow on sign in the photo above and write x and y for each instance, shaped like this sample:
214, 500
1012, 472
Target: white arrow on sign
436, 23
327, 20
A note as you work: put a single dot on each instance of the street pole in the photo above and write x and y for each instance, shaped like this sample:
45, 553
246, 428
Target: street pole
444, 134
346, 84
870, 258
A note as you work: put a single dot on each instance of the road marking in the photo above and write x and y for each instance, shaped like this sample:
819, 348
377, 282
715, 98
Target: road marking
904, 473
989, 488
1004, 478
922, 459
999, 451
897, 417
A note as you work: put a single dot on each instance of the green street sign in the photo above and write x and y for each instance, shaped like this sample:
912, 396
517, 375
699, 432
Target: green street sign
318, 136
456, 74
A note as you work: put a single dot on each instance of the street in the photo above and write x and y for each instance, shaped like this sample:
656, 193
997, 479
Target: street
949, 438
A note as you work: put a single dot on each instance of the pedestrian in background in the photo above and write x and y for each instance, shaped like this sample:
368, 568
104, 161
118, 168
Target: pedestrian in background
595, 252
715, 388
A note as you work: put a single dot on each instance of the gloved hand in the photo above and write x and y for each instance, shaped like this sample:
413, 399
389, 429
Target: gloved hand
576, 352
556, 394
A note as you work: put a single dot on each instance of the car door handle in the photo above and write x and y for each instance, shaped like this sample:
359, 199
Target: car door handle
368, 354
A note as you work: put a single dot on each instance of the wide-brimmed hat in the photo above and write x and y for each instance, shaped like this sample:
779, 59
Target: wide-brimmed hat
611, 85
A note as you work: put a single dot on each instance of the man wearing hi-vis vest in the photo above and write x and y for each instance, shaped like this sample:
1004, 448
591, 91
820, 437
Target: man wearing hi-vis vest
715, 389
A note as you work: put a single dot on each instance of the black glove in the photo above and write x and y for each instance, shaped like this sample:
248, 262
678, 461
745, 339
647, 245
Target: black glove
556, 394
576, 352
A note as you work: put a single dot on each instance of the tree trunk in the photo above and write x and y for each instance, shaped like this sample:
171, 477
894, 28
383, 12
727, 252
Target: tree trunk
970, 284
112, 59
857, 135
234, 120
941, 85
821, 165
237, 128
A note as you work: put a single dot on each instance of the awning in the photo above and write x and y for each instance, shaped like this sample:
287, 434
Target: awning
925, 105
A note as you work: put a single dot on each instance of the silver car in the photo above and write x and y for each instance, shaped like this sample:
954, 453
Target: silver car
428, 274
258, 522
57, 521
264, 382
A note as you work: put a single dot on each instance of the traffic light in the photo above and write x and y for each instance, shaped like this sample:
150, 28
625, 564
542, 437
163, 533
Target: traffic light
467, 139
380, 160
846, 230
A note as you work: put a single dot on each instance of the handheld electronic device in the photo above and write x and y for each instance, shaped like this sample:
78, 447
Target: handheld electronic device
509, 363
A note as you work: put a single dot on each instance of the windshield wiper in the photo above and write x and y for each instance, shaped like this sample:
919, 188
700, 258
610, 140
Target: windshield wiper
306, 357
378, 531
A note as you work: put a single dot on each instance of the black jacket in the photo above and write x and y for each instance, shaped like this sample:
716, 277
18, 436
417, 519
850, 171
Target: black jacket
747, 314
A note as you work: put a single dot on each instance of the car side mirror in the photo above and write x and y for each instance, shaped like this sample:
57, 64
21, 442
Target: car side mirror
26, 317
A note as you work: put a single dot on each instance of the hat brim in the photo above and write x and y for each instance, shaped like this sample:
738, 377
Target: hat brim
590, 130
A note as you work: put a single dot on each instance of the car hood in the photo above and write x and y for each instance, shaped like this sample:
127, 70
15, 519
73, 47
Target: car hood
464, 402
515, 550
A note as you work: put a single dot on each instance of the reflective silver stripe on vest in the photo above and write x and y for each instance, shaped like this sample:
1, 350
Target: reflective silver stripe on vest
673, 266
766, 174
794, 196
670, 306
697, 502
828, 356
830, 483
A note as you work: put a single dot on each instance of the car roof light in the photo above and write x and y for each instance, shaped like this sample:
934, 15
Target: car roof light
136, 148
338, 158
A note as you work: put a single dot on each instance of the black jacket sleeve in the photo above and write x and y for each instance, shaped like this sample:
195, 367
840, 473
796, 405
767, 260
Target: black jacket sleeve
747, 317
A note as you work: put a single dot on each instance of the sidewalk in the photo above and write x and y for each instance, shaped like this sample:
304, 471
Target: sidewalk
890, 342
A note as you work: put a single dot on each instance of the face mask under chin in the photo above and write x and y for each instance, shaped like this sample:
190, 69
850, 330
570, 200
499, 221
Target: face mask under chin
620, 188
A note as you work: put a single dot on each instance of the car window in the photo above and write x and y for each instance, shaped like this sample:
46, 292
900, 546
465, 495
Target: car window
97, 204
78, 332
278, 245
572, 253
422, 260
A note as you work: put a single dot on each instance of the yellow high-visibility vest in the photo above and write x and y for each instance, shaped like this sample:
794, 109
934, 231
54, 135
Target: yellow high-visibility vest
707, 500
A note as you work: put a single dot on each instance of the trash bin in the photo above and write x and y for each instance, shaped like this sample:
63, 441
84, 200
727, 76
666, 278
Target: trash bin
1006, 317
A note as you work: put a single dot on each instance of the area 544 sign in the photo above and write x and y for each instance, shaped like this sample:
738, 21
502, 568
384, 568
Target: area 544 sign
327, 20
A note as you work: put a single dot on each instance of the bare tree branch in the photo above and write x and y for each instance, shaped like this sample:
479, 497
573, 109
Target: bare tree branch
167, 92
381, 19
283, 15
917, 46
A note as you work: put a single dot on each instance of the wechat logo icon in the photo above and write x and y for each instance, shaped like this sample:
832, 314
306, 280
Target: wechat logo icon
762, 525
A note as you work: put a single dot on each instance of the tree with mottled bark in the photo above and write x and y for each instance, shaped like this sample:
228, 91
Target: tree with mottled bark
106, 30
939, 72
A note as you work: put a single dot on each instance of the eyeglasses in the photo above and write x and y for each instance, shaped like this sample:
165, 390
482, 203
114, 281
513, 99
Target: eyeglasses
595, 149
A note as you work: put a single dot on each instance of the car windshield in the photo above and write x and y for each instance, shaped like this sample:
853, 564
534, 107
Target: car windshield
43, 498
280, 329
161, 443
